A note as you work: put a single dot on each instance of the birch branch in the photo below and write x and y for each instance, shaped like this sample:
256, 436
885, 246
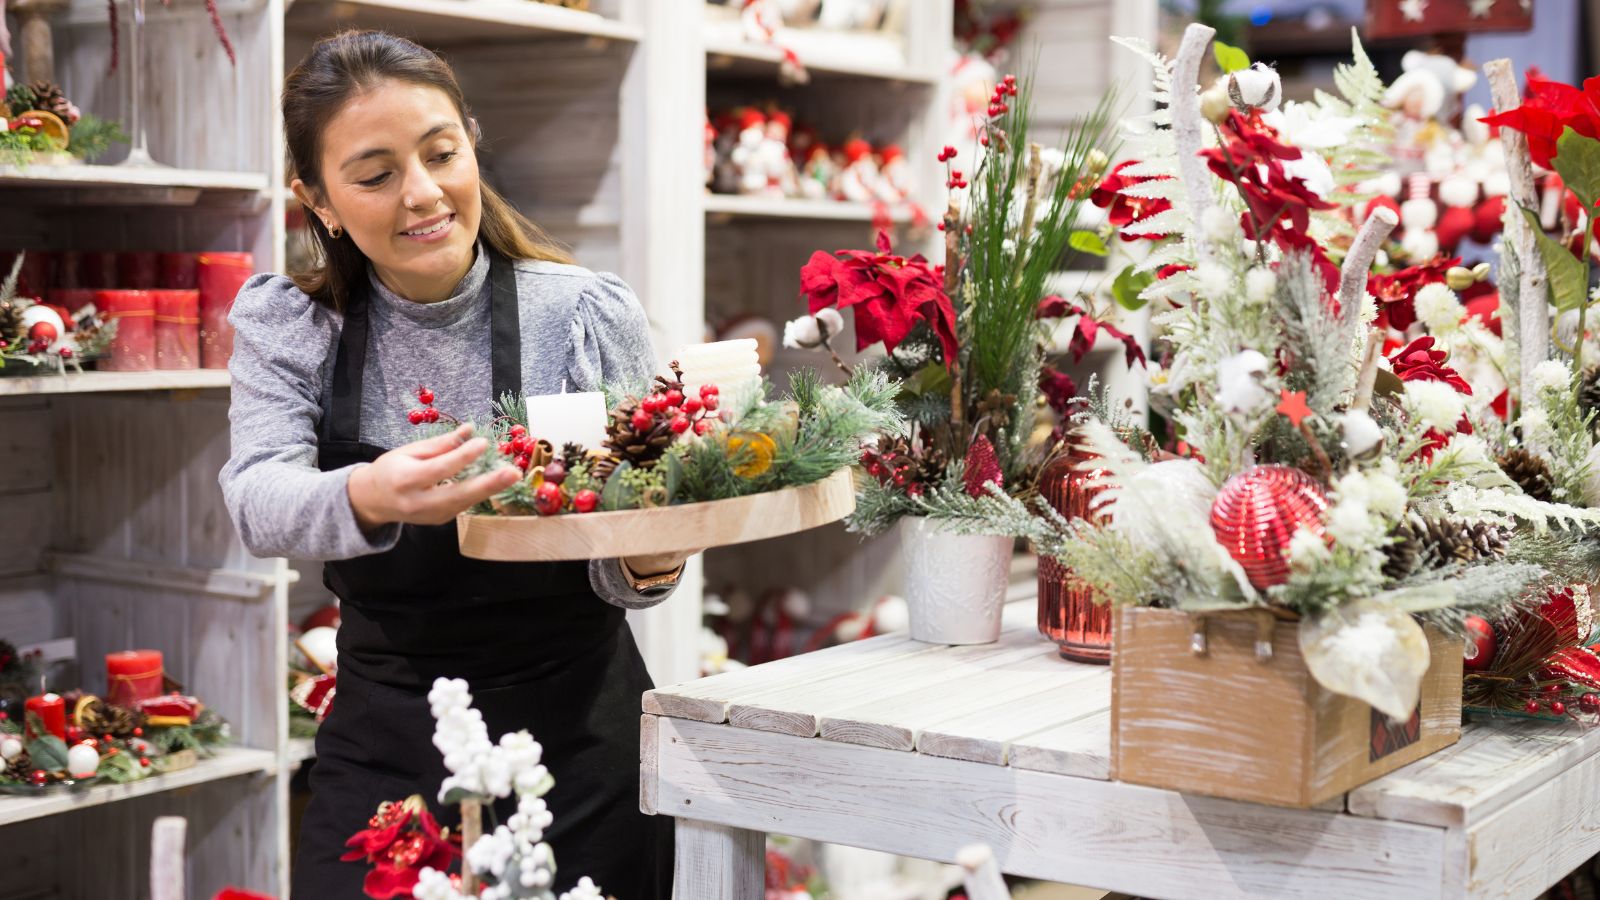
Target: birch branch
471, 831
1353, 289
983, 881
1031, 206
167, 857
1187, 131
1533, 311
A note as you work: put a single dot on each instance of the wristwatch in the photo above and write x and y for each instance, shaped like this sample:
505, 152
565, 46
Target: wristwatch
651, 586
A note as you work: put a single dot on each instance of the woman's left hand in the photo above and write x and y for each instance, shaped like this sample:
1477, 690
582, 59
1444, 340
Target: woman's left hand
656, 563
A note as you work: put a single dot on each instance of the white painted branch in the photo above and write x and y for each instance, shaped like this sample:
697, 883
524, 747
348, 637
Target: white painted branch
166, 857
471, 831
1358, 262
1186, 128
982, 875
1533, 312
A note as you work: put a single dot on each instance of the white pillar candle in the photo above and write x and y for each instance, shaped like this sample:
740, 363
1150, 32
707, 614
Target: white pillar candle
733, 366
568, 419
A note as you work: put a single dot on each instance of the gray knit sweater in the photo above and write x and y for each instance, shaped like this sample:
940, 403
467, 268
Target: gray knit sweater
578, 328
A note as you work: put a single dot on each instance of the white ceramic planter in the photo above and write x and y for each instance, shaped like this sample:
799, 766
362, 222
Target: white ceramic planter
955, 583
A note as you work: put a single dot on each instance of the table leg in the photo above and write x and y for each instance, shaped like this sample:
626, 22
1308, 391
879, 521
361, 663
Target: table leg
715, 862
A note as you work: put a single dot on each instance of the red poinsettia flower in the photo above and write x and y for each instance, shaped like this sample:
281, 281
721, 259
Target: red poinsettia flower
890, 295
1122, 210
400, 841
1550, 108
1418, 361
1396, 291
1059, 390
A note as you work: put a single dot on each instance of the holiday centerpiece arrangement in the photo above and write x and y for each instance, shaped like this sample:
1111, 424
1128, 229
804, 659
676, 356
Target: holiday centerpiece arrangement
38, 124
37, 337
75, 739
701, 458
967, 344
1295, 552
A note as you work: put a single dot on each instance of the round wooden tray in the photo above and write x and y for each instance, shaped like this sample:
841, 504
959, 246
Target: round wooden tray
666, 529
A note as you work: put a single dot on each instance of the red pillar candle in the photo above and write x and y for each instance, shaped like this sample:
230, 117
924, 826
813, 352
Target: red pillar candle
177, 329
133, 347
52, 712
221, 276
73, 300
178, 271
137, 270
133, 675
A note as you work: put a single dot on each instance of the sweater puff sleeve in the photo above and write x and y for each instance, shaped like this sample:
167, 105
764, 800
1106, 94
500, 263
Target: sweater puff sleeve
610, 345
280, 502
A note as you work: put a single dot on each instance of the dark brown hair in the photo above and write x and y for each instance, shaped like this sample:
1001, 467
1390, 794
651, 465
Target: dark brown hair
337, 67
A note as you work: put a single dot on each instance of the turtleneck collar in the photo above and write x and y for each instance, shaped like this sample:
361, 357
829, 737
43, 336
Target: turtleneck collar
466, 297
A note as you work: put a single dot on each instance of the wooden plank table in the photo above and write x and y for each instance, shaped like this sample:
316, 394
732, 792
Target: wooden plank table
920, 749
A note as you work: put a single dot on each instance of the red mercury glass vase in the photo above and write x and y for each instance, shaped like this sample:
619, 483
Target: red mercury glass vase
1068, 613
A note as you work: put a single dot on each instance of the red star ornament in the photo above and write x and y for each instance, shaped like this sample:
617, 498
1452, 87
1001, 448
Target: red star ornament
1294, 406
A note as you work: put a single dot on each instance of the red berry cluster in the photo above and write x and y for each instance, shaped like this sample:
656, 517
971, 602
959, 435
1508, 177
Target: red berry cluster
680, 412
997, 103
427, 415
1588, 703
519, 447
892, 468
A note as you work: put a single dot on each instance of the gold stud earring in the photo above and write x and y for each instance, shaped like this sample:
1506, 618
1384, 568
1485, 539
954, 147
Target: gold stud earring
334, 231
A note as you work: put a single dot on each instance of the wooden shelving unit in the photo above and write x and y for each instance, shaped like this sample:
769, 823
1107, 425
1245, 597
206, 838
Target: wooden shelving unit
593, 124
229, 762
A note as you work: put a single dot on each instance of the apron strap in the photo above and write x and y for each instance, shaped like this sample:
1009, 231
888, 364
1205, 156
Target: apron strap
343, 422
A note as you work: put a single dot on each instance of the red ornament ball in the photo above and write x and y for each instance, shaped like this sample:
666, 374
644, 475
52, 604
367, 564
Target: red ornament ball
38, 777
585, 501
548, 499
44, 332
1257, 513
144, 761
1531, 707
1455, 224
1480, 644
1589, 703
1557, 707
1487, 219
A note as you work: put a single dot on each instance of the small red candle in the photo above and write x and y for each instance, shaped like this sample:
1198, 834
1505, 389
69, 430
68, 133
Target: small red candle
52, 711
132, 675
179, 271
133, 347
221, 277
177, 329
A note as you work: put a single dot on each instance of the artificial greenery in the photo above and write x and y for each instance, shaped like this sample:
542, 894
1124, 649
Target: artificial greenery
204, 735
93, 136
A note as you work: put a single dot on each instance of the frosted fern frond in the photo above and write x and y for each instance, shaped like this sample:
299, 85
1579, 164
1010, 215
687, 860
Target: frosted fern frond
1470, 502
1162, 82
1358, 80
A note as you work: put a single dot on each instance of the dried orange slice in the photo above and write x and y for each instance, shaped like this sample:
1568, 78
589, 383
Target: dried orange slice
50, 125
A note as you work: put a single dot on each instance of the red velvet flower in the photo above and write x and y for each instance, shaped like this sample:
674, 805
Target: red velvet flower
1550, 108
1059, 390
400, 841
1123, 210
1396, 291
1418, 361
890, 295
1088, 329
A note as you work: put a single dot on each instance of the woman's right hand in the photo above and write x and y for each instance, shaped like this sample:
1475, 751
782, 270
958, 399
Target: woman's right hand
410, 484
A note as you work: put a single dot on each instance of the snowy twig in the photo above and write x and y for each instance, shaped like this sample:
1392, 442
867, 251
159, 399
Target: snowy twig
1353, 289
1533, 313
1186, 132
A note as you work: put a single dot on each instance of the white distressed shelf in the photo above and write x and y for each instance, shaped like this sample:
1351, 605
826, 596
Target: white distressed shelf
300, 750
229, 762
826, 54
117, 186
455, 21
723, 207
113, 382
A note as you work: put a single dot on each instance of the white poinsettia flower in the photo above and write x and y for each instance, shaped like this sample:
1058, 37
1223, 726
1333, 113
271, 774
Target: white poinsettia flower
1239, 387
1313, 170
1309, 127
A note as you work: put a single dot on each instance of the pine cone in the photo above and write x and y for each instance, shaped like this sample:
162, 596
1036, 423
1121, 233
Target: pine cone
48, 96
10, 323
1530, 472
98, 717
1589, 389
573, 455
1404, 552
20, 767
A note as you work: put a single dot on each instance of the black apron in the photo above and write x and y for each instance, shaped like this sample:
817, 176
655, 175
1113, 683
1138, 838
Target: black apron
539, 649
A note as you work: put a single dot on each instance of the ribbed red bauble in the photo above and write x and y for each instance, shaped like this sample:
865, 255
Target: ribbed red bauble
1257, 513
1480, 644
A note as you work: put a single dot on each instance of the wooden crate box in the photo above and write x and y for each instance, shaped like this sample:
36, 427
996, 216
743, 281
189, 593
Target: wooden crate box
1227, 724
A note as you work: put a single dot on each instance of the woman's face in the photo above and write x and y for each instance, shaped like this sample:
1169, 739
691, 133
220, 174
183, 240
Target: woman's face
401, 177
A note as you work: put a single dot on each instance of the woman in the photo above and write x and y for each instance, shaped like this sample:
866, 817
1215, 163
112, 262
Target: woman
428, 277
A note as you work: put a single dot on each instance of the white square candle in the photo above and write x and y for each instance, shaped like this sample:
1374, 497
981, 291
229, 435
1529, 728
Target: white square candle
568, 419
